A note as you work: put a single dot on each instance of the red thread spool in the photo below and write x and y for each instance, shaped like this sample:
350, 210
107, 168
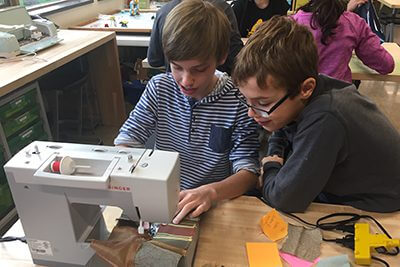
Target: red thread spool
55, 166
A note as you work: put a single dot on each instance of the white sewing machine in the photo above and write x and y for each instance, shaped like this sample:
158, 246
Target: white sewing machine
60, 212
20, 34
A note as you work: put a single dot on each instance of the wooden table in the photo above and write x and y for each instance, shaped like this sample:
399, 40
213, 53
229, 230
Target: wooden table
101, 51
394, 5
137, 32
358, 70
142, 23
361, 72
225, 229
391, 3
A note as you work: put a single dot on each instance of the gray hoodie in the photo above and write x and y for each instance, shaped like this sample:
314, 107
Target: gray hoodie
342, 150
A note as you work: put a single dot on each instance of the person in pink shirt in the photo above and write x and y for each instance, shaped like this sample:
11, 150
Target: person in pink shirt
337, 32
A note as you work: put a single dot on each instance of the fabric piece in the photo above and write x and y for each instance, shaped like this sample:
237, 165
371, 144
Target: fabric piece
150, 255
293, 261
263, 255
303, 243
176, 237
121, 247
335, 261
181, 244
173, 246
273, 226
173, 230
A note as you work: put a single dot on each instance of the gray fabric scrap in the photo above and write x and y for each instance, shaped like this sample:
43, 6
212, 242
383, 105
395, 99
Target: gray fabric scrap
150, 255
303, 243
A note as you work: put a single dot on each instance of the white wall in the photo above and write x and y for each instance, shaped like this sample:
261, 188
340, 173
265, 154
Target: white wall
74, 16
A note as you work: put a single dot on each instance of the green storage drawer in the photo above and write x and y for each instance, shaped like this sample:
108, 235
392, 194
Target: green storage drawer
6, 201
14, 125
35, 132
17, 105
3, 178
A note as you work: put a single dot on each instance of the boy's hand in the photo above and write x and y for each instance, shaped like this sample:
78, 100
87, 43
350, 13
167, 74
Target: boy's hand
196, 201
353, 4
275, 158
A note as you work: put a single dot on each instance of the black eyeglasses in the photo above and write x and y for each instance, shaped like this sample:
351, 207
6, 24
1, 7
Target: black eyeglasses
259, 111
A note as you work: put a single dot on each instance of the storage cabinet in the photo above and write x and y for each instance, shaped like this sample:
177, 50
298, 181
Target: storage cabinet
22, 120
5, 196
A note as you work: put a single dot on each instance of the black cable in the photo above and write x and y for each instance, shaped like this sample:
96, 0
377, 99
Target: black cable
13, 238
346, 241
380, 260
345, 225
299, 219
289, 214
329, 226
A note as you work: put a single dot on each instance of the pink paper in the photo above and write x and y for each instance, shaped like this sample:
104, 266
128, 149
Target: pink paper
296, 262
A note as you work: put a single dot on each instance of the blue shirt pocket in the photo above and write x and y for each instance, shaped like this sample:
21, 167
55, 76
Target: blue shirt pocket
220, 139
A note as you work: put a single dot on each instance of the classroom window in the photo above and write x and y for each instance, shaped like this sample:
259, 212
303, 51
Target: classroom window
29, 3
47, 7
4, 3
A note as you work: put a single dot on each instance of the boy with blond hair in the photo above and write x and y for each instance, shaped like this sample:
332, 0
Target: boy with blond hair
329, 142
193, 110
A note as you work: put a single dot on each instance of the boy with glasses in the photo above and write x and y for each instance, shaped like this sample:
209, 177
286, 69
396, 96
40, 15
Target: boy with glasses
193, 110
329, 143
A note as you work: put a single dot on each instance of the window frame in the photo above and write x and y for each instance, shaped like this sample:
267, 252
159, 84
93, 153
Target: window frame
55, 7
7, 3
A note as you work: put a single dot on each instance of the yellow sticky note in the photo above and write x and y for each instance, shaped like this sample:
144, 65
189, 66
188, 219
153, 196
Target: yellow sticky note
263, 255
273, 226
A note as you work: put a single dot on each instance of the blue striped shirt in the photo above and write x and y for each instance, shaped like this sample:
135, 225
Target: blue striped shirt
214, 136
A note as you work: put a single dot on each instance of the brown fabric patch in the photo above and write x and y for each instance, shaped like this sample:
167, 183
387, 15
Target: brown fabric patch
121, 247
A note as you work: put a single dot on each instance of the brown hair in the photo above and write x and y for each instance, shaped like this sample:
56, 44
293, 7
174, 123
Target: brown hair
281, 48
325, 14
196, 29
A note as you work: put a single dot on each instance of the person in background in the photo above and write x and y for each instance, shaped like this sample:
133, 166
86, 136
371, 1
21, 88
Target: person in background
193, 110
338, 33
353, 4
155, 54
251, 13
329, 143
